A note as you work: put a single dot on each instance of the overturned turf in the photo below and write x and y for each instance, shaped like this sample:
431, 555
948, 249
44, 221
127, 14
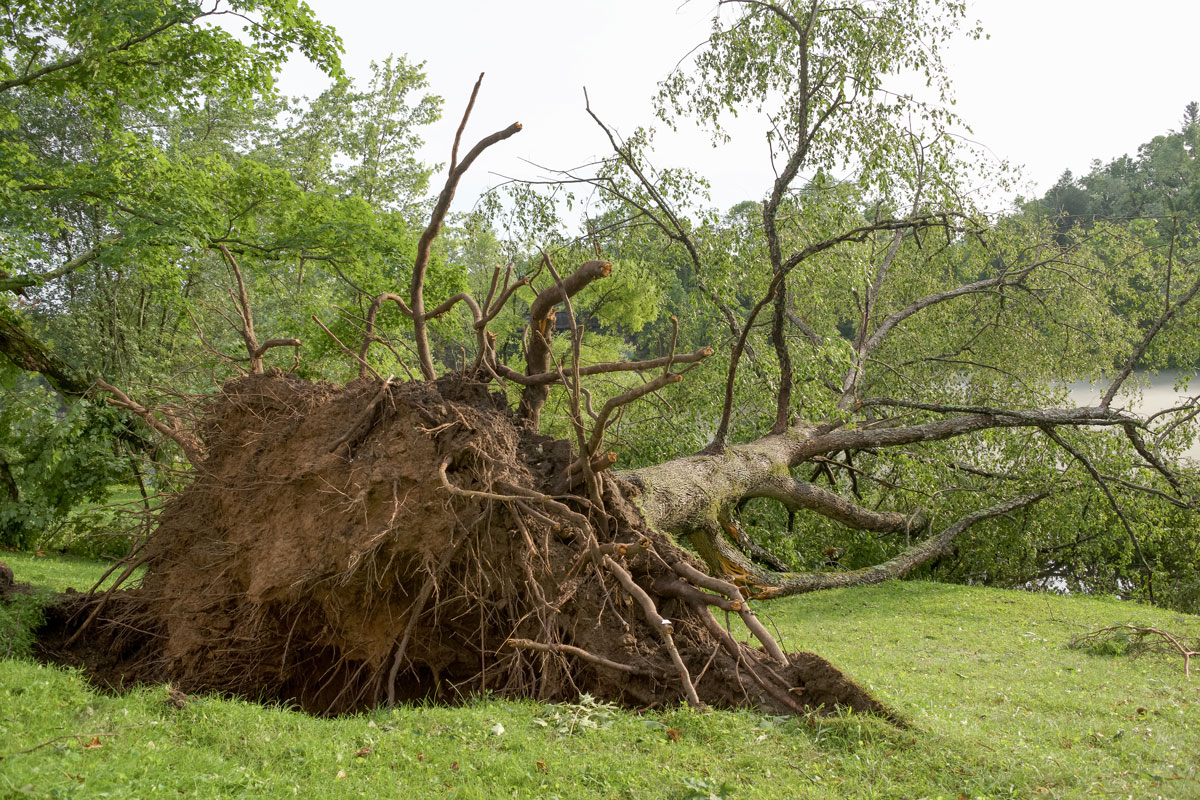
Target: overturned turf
345, 547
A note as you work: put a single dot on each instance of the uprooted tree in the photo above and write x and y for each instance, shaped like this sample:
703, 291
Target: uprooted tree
382, 540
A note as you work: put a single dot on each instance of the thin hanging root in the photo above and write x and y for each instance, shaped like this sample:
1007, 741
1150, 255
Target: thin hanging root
779, 692
104, 600
363, 418
539, 516
708, 664
580, 521
655, 620
116, 564
579, 652
698, 578
531, 579
418, 608
518, 494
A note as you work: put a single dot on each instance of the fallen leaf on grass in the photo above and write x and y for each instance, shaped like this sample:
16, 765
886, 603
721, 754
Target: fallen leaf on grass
362, 751
94, 744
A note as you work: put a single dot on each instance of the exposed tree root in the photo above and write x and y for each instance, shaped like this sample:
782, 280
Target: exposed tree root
382, 542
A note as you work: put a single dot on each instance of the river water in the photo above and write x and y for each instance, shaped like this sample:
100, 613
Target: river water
1157, 392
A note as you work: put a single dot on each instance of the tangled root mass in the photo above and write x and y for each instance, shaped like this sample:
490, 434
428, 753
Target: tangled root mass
346, 547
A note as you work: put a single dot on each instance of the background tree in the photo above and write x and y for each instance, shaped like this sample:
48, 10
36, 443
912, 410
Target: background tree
143, 145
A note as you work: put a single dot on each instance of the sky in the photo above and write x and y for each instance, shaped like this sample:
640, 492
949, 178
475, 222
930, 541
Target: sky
1057, 84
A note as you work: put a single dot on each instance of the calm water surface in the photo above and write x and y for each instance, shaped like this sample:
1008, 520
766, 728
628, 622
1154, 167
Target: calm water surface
1157, 393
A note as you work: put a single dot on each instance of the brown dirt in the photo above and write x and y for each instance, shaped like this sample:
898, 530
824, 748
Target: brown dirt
8, 584
317, 558
115, 654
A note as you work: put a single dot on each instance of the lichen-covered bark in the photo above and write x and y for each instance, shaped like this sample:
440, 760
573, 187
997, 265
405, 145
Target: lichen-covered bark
693, 491
694, 497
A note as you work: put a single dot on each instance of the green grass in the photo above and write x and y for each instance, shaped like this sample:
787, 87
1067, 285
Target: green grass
57, 572
999, 707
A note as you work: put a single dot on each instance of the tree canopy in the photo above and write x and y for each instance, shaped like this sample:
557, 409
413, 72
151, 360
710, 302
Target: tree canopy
894, 361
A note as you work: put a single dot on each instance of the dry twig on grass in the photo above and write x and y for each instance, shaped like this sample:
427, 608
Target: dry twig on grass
1136, 639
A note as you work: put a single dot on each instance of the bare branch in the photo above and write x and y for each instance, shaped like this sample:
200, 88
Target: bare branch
270, 343
254, 350
172, 428
364, 367
796, 494
425, 244
673, 227
1151, 334
625, 399
606, 368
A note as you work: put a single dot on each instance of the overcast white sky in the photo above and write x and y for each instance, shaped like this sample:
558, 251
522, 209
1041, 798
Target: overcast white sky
1059, 83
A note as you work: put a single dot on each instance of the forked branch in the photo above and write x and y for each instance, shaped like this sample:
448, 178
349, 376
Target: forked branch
254, 350
723, 558
170, 427
425, 244
541, 326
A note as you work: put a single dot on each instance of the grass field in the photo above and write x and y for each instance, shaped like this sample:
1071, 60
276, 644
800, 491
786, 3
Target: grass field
998, 705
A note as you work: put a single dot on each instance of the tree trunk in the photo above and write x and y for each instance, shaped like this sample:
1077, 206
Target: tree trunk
694, 497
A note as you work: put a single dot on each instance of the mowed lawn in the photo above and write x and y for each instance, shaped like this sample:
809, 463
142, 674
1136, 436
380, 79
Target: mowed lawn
999, 706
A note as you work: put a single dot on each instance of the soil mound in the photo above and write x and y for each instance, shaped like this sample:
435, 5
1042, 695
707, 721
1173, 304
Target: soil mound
343, 547
8, 584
